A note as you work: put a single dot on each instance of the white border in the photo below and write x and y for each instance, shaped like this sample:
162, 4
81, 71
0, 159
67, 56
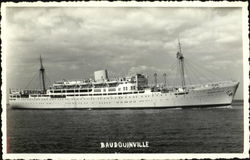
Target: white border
245, 39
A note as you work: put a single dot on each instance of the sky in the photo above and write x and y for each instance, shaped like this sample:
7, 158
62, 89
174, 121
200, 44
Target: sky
75, 42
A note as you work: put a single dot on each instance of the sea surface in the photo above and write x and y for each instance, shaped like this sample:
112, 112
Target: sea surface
195, 130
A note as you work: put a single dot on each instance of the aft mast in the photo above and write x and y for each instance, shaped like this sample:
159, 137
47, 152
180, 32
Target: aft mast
180, 58
42, 72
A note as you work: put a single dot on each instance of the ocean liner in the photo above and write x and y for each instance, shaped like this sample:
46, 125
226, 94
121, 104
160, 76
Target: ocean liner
129, 92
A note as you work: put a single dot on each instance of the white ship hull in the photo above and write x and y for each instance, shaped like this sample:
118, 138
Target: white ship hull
205, 97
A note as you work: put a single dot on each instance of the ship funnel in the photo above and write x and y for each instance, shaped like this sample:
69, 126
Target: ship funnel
101, 75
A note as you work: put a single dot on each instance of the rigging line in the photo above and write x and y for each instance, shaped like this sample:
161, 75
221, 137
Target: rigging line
206, 76
187, 73
174, 77
192, 77
197, 73
179, 80
198, 70
36, 81
175, 83
186, 77
179, 74
35, 75
47, 77
214, 74
40, 81
173, 67
196, 76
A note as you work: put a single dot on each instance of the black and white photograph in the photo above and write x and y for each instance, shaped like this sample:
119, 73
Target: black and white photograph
162, 80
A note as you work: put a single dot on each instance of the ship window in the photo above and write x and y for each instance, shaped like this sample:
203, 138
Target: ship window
83, 90
111, 89
57, 96
97, 90
112, 94
119, 89
127, 92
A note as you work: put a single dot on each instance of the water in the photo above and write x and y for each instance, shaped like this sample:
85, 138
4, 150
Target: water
207, 130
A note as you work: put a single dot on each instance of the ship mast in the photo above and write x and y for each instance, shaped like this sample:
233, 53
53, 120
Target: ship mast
180, 58
42, 71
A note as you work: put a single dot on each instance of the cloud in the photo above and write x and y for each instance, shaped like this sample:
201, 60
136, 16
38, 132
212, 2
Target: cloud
143, 69
77, 41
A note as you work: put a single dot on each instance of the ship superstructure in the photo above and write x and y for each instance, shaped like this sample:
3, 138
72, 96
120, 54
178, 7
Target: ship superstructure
125, 92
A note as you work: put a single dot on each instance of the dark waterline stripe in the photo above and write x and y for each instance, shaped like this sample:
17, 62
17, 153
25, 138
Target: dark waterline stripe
123, 108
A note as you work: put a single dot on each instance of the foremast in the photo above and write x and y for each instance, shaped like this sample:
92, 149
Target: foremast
180, 58
42, 72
